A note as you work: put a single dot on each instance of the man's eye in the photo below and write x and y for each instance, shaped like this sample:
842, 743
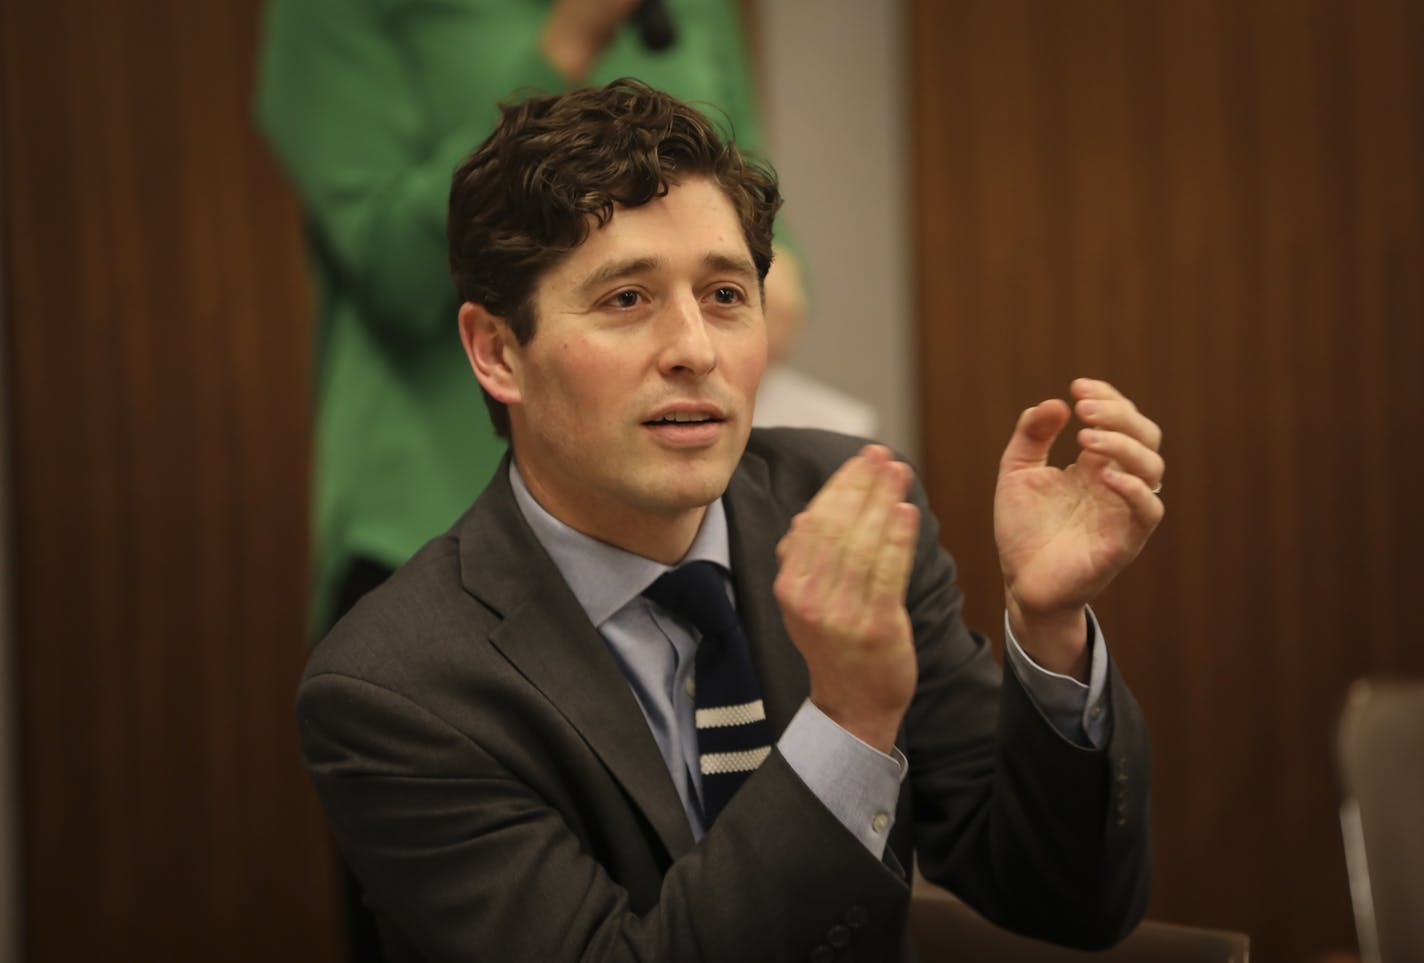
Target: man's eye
727, 295
625, 299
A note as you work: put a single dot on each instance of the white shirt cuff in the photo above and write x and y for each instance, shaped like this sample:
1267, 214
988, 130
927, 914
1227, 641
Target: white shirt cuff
858, 783
1081, 713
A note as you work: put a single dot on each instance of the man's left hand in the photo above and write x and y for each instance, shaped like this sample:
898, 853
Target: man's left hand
1064, 534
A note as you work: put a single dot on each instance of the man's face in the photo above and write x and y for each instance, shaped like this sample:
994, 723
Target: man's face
636, 391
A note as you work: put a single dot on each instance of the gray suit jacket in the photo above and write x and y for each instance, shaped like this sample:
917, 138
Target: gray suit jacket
494, 785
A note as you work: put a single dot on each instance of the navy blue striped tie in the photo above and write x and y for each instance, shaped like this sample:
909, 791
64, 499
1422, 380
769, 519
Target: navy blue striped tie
732, 733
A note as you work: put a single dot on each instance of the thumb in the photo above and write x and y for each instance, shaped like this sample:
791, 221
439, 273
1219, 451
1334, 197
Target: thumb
1034, 435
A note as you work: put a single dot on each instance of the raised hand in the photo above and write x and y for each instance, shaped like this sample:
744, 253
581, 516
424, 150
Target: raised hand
845, 565
576, 32
1064, 534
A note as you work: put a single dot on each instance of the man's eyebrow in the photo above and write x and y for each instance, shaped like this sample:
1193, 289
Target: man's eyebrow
617, 270
732, 264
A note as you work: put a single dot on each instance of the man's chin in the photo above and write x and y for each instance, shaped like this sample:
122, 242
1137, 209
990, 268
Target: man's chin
683, 491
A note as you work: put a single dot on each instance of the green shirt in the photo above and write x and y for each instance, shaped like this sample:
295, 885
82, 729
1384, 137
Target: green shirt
370, 105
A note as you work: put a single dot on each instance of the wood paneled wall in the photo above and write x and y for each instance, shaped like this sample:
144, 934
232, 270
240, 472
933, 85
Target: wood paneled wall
1216, 204
1219, 205
158, 378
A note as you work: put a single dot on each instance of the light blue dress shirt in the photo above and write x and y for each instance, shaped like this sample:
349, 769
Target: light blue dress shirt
656, 653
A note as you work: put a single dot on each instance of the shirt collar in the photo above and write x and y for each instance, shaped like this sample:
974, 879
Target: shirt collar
605, 578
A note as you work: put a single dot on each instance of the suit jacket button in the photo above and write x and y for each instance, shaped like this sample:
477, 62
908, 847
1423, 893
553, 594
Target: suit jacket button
838, 936
822, 954
857, 916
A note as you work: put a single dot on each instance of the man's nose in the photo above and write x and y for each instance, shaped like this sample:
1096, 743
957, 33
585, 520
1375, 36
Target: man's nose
687, 342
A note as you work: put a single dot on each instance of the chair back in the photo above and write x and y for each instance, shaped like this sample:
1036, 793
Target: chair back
1380, 749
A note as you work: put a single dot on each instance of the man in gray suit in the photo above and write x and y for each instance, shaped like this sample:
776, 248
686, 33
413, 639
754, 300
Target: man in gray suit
510, 738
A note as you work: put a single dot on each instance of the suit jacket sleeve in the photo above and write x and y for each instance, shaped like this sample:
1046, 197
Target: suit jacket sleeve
1040, 835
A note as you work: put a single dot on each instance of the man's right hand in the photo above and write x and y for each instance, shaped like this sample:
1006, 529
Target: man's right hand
845, 565
576, 31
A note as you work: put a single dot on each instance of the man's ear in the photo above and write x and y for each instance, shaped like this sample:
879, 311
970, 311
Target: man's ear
493, 351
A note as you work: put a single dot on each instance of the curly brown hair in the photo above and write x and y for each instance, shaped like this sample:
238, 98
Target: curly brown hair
556, 166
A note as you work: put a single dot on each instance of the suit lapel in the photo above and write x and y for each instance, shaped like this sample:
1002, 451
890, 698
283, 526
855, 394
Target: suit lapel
546, 635
756, 522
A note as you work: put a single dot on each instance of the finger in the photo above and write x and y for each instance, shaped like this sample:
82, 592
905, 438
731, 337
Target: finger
1034, 435
1082, 388
848, 486
868, 531
891, 576
827, 516
1120, 416
1100, 405
1146, 507
786, 546
1129, 454
816, 540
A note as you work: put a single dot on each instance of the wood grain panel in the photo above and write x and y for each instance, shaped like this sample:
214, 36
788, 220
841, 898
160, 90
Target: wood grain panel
159, 369
1216, 205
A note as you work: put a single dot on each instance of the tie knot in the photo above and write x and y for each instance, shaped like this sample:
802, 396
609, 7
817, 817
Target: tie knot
695, 592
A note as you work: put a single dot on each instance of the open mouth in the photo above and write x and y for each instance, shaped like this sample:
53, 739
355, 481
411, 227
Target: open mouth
684, 418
